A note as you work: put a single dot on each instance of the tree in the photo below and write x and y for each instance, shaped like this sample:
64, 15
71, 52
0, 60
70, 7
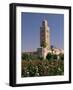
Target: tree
49, 56
54, 56
25, 56
61, 56
40, 58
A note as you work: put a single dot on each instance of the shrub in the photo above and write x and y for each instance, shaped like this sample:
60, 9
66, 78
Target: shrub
42, 68
31, 69
25, 56
40, 58
61, 56
29, 57
54, 56
49, 56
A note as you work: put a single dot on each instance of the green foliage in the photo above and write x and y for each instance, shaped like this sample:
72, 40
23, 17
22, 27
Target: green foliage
31, 69
54, 56
61, 56
32, 57
42, 68
49, 56
29, 57
25, 56
35, 66
40, 58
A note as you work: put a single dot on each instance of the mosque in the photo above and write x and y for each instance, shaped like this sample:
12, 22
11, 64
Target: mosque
45, 45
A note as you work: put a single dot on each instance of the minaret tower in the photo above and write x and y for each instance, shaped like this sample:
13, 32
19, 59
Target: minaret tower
45, 35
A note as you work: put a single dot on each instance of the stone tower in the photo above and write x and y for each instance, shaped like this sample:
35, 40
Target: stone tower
45, 35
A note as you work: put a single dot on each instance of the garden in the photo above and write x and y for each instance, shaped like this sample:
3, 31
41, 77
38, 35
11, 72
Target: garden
33, 66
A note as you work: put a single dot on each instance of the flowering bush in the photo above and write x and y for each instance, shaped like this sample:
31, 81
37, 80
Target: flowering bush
42, 68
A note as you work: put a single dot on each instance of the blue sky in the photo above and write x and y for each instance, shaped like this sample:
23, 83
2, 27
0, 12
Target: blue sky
30, 30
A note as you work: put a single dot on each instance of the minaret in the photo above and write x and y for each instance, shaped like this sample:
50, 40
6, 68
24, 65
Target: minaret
45, 35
